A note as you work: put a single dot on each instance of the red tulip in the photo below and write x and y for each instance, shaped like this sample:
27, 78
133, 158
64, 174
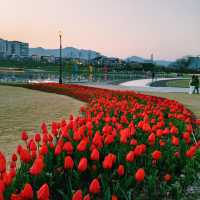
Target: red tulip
16, 197
12, 172
2, 186
77, 195
68, 147
51, 145
7, 178
94, 155
130, 156
27, 192
152, 138
25, 155
97, 140
139, 149
37, 167
64, 131
44, 128
120, 170
89, 125
24, 136
37, 137
133, 142
68, 163
191, 152
87, 197
177, 154
12, 164
124, 134
71, 117
166, 131
19, 147
33, 146
2, 163
82, 166
108, 162
139, 175
167, 177
109, 139
156, 155
162, 143
44, 149
54, 128
50, 138
175, 141
94, 186
1, 196
33, 154
58, 150
14, 157
45, 138
174, 130
159, 133
114, 197
43, 192
82, 146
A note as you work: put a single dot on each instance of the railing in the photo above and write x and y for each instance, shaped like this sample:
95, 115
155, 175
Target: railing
28, 76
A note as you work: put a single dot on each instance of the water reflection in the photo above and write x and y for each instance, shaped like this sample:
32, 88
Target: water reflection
41, 76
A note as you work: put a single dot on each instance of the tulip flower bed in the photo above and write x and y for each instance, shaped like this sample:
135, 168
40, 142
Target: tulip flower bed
124, 145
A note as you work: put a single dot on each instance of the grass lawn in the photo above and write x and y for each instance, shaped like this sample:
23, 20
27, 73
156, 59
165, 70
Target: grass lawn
190, 101
24, 109
182, 83
178, 83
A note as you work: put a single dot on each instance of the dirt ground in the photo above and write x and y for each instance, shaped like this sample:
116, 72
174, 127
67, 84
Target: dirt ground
24, 109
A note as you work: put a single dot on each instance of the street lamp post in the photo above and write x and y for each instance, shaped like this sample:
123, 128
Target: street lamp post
60, 76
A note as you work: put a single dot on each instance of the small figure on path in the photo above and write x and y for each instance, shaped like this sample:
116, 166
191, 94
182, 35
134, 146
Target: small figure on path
192, 85
153, 76
196, 84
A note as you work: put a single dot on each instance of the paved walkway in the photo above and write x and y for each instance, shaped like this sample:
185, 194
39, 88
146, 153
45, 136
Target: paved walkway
142, 85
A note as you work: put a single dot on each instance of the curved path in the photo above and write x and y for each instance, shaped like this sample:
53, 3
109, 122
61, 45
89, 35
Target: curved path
144, 85
141, 85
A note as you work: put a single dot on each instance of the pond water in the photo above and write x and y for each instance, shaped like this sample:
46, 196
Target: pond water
42, 76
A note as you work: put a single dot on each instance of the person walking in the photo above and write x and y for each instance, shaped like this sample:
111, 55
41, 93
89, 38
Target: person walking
192, 85
153, 76
196, 84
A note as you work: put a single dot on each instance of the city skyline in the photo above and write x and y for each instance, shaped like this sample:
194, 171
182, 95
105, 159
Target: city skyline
133, 28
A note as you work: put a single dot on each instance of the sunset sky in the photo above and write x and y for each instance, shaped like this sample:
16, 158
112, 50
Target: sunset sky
168, 28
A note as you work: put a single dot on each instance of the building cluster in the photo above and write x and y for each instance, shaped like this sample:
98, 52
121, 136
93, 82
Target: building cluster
187, 62
13, 49
194, 62
46, 59
103, 60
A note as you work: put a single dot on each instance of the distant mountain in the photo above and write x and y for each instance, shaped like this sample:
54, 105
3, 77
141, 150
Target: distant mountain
69, 52
137, 59
164, 63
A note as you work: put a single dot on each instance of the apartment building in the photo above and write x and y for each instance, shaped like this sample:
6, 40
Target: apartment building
13, 48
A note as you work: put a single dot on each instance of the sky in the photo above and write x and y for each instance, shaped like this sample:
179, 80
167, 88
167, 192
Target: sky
169, 29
